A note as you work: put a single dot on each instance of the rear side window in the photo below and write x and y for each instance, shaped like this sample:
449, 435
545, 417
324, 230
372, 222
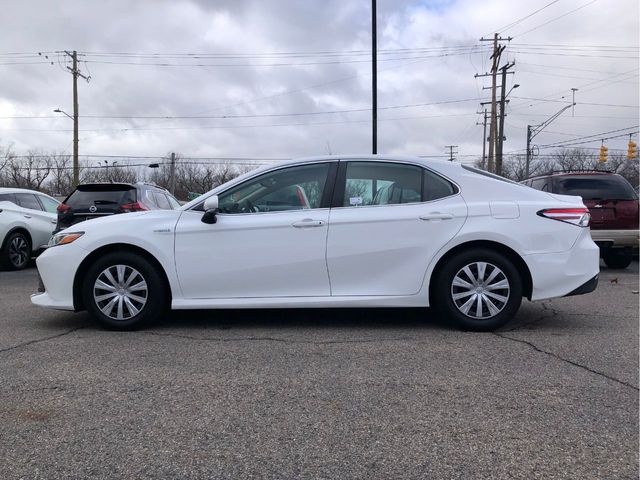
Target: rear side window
161, 201
28, 200
100, 195
49, 204
595, 187
378, 183
435, 187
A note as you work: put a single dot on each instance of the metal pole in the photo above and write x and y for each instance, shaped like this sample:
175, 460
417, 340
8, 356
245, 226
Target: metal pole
526, 170
374, 80
484, 140
501, 126
172, 174
76, 167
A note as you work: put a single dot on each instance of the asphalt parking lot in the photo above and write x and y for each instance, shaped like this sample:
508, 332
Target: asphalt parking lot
322, 393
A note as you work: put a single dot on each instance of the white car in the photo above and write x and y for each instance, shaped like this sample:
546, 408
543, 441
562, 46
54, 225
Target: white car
27, 219
369, 231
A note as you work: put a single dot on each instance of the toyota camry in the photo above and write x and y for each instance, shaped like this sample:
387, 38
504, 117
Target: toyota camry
349, 231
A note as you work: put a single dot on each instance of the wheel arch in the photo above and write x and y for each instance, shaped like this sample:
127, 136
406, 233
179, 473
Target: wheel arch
20, 230
78, 303
512, 255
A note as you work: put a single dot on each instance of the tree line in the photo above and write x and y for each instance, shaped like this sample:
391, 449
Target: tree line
53, 172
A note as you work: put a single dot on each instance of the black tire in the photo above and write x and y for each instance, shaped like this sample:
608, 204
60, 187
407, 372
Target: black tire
156, 298
16, 251
444, 290
617, 258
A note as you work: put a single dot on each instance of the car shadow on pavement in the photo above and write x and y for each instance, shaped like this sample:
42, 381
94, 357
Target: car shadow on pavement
315, 318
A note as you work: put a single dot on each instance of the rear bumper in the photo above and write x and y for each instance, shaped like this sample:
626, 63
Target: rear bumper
587, 287
615, 238
563, 273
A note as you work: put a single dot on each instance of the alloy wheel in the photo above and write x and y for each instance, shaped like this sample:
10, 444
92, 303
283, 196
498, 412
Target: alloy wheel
18, 251
120, 292
480, 290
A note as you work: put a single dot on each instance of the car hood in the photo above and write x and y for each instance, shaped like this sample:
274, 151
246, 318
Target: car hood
127, 219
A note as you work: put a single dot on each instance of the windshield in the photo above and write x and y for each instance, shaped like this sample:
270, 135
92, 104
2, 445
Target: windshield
595, 187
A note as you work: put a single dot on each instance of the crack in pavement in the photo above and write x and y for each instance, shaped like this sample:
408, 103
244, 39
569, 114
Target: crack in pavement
566, 360
276, 339
44, 339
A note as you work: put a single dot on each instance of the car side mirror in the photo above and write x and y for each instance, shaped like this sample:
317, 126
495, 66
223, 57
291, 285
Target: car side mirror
210, 210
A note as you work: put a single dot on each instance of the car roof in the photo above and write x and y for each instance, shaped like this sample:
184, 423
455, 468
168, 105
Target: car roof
21, 190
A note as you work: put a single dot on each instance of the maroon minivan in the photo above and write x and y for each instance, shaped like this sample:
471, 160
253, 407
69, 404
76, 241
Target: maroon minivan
613, 204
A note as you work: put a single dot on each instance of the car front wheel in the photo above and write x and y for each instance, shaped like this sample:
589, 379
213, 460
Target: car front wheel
478, 290
124, 291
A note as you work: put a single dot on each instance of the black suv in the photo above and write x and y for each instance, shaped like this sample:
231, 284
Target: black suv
93, 200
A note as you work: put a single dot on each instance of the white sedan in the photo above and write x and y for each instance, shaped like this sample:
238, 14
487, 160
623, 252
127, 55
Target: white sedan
350, 231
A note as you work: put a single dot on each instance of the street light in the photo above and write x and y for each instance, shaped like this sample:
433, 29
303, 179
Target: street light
76, 167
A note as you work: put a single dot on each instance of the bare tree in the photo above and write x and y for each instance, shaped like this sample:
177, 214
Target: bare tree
29, 171
60, 182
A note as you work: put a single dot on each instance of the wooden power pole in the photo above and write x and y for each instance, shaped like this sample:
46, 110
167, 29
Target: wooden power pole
75, 73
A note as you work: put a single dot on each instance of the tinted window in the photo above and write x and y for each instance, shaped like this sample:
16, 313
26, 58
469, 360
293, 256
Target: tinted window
149, 199
435, 187
28, 200
538, 183
293, 188
377, 183
161, 201
7, 197
595, 187
49, 204
100, 195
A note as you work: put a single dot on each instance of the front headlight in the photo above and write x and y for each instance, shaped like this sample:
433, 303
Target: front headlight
64, 238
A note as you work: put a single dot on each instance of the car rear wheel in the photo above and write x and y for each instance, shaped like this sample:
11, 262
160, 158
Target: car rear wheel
478, 290
16, 252
617, 258
124, 291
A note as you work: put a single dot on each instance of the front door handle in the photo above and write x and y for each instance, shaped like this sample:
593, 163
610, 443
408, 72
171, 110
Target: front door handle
307, 223
27, 216
436, 216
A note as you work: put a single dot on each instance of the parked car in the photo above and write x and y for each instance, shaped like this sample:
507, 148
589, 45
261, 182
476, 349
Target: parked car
27, 220
613, 205
93, 200
373, 231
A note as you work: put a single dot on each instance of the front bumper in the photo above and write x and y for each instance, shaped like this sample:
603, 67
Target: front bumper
616, 238
57, 267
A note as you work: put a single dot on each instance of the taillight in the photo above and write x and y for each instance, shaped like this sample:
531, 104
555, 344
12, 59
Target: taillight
133, 207
576, 216
63, 207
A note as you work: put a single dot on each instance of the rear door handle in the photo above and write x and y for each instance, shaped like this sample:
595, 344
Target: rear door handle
436, 216
307, 223
27, 216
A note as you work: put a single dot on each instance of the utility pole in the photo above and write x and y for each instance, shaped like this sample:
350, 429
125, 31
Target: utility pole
493, 128
451, 152
528, 162
172, 174
374, 80
503, 101
484, 137
75, 73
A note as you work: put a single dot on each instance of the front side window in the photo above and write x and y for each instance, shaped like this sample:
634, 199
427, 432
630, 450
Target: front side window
49, 204
28, 200
161, 201
293, 188
378, 183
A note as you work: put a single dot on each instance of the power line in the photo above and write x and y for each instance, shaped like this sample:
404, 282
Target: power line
516, 22
555, 18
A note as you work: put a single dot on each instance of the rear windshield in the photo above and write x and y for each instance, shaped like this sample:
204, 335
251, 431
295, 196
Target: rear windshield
101, 195
595, 187
484, 173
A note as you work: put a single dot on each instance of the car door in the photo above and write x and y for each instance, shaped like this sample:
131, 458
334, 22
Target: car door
269, 239
39, 222
388, 219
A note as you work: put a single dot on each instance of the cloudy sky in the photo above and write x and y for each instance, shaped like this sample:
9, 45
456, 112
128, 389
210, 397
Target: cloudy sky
286, 78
